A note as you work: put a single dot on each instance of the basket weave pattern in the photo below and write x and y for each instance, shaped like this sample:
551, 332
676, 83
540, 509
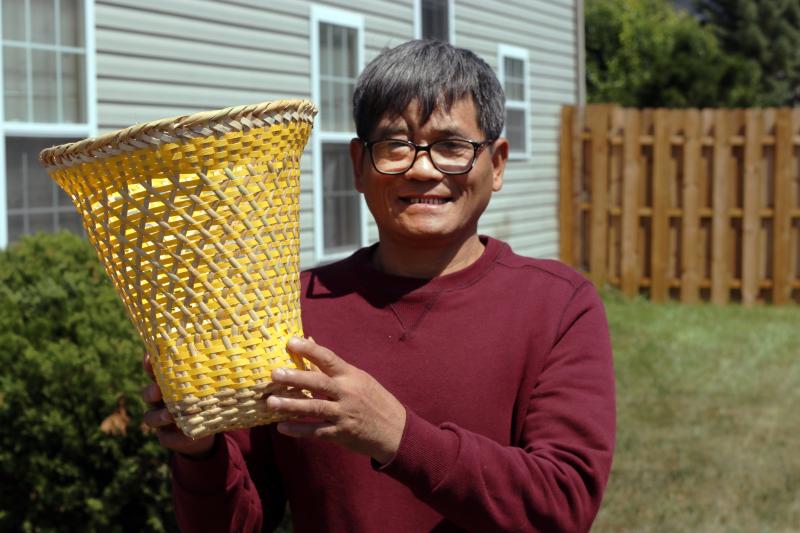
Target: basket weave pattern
196, 221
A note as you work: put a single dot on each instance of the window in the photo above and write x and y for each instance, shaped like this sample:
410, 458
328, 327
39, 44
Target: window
48, 98
337, 57
513, 74
434, 19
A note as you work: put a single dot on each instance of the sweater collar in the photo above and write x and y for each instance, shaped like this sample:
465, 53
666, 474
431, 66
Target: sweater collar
374, 280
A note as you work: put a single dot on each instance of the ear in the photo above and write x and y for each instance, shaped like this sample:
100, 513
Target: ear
357, 159
499, 153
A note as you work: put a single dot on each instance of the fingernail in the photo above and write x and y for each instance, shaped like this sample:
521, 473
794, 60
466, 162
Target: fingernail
279, 373
273, 402
166, 417
295, 342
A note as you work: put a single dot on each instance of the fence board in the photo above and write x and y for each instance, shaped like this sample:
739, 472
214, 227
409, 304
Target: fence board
720, 273
752, 180
782, 216
598, 259
690, 264
630, 204
659, 219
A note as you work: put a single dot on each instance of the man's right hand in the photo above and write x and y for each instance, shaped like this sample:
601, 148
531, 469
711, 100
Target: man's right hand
162, 422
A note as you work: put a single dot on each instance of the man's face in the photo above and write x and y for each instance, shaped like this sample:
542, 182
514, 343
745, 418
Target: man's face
423, 206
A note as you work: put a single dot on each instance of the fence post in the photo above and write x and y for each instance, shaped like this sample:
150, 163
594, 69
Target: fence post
567, 192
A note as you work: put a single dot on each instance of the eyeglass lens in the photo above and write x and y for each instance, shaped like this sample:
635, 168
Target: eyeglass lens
450, 156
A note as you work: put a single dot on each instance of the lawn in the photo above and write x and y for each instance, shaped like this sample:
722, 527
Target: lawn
708, 418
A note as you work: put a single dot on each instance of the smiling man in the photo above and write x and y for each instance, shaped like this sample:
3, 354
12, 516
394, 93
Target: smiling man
460, 387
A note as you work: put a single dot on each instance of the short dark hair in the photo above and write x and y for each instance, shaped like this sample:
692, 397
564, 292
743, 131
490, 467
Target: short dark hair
435, 74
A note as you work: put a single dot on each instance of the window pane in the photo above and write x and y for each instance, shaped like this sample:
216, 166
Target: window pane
71, 23
35, 202
514, 79
70, 221
352, 46
41, 222
16, 227
73, 86
15, 83
326, 48
341, 205
13, 21
435, 23
338, 70
45, 88
43, 17
515, 130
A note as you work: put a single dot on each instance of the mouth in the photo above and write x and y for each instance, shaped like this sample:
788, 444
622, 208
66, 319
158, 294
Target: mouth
426, 200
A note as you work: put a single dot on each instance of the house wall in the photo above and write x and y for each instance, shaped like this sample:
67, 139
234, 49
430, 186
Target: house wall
159, 58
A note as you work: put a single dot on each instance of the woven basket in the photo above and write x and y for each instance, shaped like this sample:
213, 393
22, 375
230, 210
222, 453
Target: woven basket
196, 222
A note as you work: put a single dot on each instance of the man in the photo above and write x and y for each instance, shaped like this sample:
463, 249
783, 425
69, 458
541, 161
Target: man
460, 386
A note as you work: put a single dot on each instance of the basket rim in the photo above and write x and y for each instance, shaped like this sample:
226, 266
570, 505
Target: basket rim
166, 130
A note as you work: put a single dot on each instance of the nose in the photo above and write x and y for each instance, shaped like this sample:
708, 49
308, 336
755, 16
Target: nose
422, 169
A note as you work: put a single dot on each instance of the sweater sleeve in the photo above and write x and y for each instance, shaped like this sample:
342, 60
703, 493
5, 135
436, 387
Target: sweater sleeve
553, 478
237, 488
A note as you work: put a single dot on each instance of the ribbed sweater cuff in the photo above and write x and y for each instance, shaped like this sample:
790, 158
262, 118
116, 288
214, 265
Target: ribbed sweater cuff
424, 456
211, 474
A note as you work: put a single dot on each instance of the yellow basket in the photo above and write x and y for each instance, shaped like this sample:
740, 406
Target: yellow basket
196, 222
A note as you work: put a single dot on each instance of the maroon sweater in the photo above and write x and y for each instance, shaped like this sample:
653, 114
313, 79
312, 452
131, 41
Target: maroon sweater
505, 369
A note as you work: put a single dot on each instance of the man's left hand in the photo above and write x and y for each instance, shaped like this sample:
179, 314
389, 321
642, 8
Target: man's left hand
349, 406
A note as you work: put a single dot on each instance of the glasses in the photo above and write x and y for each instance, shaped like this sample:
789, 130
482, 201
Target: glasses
449, 156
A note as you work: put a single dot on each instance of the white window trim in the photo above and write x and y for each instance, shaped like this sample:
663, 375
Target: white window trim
451, 20
515, 52
29, 129
353, 20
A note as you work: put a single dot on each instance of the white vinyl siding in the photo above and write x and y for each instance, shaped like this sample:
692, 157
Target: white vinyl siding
48, 80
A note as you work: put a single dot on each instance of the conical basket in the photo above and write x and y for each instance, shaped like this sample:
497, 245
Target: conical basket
196, 222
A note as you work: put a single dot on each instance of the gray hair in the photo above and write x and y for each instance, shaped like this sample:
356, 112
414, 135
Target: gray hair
435, 74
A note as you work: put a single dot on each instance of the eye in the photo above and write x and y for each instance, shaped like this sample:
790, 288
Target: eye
453, 147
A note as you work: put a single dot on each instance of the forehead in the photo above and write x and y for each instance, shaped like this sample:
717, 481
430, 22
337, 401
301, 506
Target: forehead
461, 118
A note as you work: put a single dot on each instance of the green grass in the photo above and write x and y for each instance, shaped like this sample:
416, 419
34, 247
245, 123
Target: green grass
708, 409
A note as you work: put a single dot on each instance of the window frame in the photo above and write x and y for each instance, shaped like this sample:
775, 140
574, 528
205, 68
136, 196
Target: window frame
451, 21
43, 129
515, 52
349, 19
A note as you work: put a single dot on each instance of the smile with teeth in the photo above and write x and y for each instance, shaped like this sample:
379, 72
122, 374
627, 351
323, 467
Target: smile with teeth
427, 200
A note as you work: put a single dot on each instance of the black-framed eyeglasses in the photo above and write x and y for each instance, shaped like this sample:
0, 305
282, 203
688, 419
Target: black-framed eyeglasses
449, 156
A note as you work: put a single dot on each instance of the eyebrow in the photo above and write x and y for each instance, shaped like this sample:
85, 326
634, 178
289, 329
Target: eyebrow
450, 131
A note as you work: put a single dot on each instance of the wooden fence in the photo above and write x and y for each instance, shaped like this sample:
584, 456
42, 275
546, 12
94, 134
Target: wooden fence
683, 204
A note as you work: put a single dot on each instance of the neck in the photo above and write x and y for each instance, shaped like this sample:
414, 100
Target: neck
426, 262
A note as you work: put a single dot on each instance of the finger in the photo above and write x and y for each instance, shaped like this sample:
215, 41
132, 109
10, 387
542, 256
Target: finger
312, 408
152, 394
326, 360
158, 418
307, 430
305, 379
148, 366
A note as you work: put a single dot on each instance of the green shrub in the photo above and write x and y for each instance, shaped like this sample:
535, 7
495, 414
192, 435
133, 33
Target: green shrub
71, 361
